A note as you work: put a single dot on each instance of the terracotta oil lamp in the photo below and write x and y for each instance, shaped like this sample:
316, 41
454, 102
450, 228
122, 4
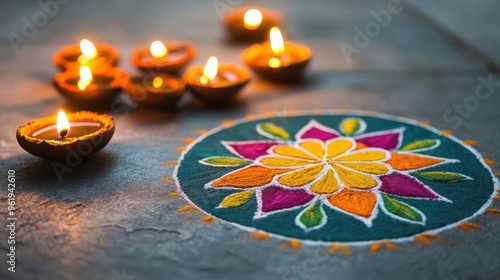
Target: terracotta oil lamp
155, 90
86, 54
170, 57
57, 138
214, 83
250, 24
90, 88
278, 60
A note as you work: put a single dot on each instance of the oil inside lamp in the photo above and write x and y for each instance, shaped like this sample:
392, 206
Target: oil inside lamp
63, 126
210, 71
157, 82
85, 78
60, 130
252, 19
158, 49
89, 51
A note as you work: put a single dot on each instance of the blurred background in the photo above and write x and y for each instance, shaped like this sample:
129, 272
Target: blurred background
421, 37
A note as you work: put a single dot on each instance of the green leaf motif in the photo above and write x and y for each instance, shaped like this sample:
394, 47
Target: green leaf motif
420, 145
402, 210
272, 131
312, 217
236, 199
351, 126
224, 161
443, 177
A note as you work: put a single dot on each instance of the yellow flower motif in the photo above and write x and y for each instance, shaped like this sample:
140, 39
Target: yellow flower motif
325, 168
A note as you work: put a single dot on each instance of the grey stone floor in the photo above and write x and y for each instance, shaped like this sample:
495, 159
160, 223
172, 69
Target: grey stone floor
111, 218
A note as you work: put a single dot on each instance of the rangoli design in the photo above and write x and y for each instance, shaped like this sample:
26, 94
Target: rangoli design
349, 178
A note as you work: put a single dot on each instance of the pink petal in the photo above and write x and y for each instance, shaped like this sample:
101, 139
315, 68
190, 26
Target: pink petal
315, 130
388, 140
250, 150
276, 198
406, 186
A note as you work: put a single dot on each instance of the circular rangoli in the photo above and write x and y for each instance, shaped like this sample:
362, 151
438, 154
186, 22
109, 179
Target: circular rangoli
335, 177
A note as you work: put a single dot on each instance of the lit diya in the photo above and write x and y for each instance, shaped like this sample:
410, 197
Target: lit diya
170, 57
160, 90
85, 87
60, 138
251, 24
216, 84
278, 60
86, 54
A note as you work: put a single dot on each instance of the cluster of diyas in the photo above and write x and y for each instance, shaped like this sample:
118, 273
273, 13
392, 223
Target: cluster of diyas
90, 78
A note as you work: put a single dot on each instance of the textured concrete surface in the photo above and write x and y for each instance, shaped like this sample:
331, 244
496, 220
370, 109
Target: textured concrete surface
476, 22
110, 218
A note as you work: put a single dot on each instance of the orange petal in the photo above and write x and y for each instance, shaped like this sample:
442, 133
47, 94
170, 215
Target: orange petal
248, 177
360, 146
405, 162
354, 202
327, 184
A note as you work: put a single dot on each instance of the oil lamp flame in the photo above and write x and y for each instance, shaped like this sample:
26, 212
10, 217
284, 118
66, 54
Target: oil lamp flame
157, 82
210, 70
62, 124
158, 49
88, 49
85, 78
277, 44
252, 19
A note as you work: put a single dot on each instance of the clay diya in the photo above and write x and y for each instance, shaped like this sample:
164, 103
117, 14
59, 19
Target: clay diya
278, 60
90, 88
251, 25
216, 84
170, 57
159, 90
86, 54
60, 138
